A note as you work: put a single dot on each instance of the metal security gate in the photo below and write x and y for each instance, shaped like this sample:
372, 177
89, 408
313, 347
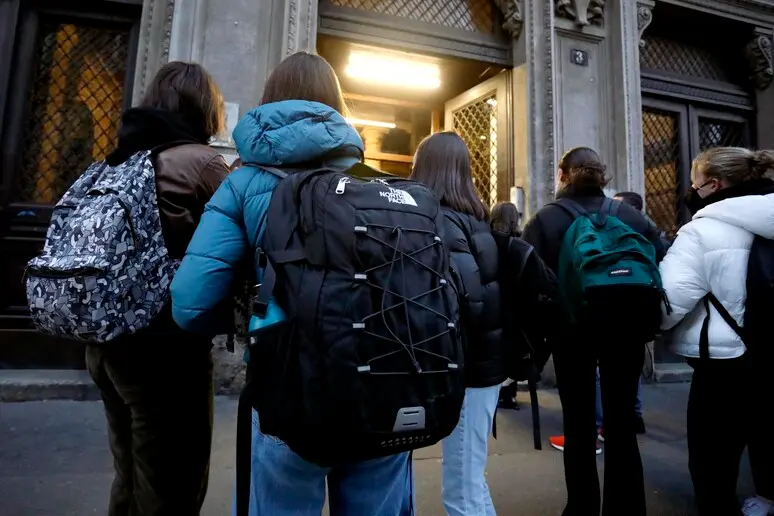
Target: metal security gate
468, 15
673, 134
69, 83
75, 104
480, 117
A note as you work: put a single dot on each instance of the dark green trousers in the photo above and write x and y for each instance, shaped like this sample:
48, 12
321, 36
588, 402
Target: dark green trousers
158, 399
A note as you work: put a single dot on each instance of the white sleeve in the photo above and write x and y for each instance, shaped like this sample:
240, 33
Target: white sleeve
683, 277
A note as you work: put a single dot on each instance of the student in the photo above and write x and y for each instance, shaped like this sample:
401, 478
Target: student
442, 162
595, 337
157, 384
505, 220
300, 122
733, 201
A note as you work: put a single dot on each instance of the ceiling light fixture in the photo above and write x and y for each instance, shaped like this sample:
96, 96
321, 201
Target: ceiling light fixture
393, 71
371, 123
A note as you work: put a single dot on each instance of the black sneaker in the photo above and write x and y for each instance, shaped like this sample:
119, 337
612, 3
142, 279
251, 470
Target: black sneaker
508, 403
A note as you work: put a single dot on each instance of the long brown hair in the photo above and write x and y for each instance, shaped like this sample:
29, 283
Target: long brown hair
442, 162
304, 76
734, 165
584, 168
188, 89
505, 218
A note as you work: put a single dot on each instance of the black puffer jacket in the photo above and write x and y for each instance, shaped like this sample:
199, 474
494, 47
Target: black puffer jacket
547, 228
474, 259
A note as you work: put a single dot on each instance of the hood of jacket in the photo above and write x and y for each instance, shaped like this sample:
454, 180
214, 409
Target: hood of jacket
294, 132
754, 213
148, 128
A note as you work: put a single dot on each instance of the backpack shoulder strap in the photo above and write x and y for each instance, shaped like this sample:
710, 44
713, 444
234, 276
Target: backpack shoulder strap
574, 209
525, 250
611, 206
725, 315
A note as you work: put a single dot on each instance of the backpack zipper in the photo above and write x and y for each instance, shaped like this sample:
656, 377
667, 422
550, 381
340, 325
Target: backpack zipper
44, 272
342, 185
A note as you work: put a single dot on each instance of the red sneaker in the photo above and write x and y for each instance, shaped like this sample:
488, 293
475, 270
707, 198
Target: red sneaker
601, 435
557, 442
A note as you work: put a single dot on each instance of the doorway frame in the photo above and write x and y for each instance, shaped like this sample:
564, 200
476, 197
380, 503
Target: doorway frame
501, 85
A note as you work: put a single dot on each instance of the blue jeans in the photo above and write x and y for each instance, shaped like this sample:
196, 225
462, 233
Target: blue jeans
464, 490
284, 484
637, 405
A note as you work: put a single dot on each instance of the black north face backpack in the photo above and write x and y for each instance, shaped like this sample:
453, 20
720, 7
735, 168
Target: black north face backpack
368, 362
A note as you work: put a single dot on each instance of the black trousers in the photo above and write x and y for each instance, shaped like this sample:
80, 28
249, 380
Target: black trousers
620, 366
728, 407
158, 399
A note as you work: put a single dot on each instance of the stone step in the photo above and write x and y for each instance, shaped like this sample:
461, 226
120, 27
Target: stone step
46, 384
672, 373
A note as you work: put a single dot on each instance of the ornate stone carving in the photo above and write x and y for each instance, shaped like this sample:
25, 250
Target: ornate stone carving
582, 12
644, 19
153, 47
300, 26
758, 53
512, 14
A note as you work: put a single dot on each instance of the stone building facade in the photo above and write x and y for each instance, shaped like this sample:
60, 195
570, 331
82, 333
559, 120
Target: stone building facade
649, 83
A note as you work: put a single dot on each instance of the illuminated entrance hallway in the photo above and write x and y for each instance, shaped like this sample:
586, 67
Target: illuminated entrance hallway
398, 98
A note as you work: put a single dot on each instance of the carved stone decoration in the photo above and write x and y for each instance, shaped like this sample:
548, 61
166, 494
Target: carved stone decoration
300, 26
644, 19
582, 12
758, 53
512, 14
153, 46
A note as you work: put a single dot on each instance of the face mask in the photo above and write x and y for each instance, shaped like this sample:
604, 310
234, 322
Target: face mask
693, 201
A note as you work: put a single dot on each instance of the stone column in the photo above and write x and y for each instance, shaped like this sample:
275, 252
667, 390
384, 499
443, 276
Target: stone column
300, 27
627, 23
534, 99
188, 25
153, 46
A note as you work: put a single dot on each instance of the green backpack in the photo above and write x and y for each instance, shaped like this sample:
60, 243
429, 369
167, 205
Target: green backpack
608, 272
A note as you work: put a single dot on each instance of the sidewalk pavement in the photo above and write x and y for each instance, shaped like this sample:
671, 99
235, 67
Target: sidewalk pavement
54, 460
17, 385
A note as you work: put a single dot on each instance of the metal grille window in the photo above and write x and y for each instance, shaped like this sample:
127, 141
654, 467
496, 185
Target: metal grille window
469, 15
662, 156
680, 58
75, 106
721, 133
476, 123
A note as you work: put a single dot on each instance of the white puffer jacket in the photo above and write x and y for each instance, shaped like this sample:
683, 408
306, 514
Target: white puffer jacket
710, 255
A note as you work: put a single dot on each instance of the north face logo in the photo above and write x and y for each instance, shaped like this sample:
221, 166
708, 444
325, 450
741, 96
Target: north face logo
398, 197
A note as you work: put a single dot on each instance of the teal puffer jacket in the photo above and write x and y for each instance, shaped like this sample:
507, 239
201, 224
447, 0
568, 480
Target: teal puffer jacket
281, 134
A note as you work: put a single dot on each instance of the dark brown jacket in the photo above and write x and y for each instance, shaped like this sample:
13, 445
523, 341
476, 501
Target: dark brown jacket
186, 178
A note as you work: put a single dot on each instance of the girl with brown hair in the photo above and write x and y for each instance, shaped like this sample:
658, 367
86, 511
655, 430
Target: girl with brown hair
156, 384
442, 162
581, 179
705, 278
299, 125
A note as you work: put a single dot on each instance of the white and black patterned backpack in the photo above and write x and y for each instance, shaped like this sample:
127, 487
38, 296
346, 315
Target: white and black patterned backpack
105, 269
